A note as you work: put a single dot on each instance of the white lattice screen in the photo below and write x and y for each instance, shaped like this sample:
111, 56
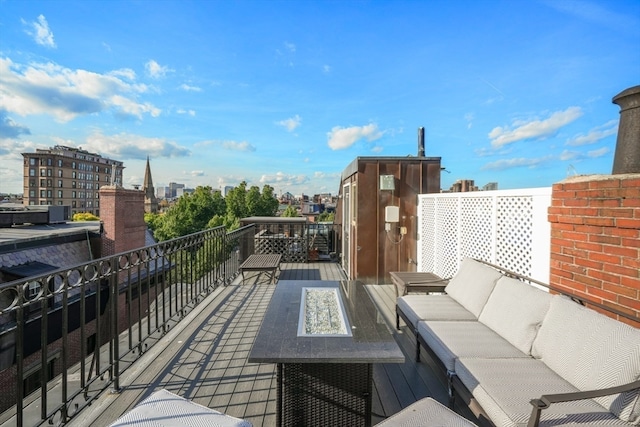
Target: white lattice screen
508, 228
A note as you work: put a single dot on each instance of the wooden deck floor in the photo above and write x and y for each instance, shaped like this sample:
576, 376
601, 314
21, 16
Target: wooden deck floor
205, 358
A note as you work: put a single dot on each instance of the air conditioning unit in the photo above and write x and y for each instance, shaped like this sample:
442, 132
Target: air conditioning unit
58, 214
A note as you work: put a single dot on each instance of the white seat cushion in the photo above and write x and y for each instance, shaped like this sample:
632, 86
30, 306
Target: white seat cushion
504, 387
515, 311
591, 351
451, 340
164, 408
472, 285
426, 412
432, 307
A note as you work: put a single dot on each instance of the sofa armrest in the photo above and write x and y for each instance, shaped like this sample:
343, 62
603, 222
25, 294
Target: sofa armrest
547, 400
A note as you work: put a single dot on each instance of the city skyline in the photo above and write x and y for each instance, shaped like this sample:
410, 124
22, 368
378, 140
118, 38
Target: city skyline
289, 93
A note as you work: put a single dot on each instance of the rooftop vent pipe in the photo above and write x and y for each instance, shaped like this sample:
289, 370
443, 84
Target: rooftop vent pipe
421, 141
627, 157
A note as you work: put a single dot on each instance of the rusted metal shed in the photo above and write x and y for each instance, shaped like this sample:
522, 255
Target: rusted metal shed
378, 203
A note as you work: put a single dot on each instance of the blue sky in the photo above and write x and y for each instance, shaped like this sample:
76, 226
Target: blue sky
288, 93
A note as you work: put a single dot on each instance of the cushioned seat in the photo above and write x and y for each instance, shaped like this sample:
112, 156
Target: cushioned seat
504, 387
164, 408
426, 412
450, 340
433, 307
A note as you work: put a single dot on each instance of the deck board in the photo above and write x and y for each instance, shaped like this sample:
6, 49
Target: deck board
207, 360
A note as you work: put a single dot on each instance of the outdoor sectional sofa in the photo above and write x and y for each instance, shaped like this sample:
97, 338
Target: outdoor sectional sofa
507, 345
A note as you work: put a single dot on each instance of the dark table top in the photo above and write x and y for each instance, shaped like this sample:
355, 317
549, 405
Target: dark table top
278, 340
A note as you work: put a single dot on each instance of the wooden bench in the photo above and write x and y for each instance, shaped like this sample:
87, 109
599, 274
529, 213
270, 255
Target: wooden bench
269, 263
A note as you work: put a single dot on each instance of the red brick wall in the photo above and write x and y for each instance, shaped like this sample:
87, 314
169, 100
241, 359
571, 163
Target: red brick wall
122, 212
595, 239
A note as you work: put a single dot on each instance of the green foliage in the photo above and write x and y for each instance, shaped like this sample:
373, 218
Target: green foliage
84, 216
290, 212
206, 209
191, 213
326, 216
153, 220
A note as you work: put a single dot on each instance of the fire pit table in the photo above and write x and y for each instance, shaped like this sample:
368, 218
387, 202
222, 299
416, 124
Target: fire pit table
324, 337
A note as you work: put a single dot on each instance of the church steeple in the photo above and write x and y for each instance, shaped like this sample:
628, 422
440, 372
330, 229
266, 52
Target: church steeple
150, 201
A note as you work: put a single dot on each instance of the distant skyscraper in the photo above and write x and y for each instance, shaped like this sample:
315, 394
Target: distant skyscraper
150, 201
66, 176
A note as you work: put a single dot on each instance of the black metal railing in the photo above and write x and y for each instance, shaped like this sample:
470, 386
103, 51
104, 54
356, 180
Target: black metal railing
68, 335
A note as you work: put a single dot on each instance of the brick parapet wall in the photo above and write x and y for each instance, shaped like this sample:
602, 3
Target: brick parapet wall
595, 239
122, 213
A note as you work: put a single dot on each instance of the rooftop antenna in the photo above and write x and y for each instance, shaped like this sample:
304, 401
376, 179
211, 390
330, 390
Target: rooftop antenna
421, 141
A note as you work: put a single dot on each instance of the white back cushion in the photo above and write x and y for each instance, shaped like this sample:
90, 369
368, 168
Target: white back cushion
515, 311
591, 351
472, 285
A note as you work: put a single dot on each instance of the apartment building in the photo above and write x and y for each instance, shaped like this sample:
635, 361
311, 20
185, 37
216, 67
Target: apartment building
67, 176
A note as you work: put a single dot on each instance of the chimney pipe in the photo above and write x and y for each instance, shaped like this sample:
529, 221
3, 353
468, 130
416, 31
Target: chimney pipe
421, 141
627, 156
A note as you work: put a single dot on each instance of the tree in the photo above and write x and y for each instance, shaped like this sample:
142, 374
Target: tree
191, 213
290, 212
326, 216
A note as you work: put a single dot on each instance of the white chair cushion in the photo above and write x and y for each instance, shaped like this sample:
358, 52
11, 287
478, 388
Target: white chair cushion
426, 412
591, 351
164, 408
504, 387
472, 285
515, 311
432, 307
451, 340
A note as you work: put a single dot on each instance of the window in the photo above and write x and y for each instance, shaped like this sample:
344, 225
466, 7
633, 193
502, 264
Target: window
73, 174
73, 195
73, 165
49, 194
97, 177
73, 205
60, 193
59, 183
32, 161
49, 172
43, 172
49, 162
32, 380
32, 193
43, 202
89, 204
43, 193
32, 172
59, 173
49, 183
73, 184
43, 182
59, 163
32, 202
32, 183
59, 202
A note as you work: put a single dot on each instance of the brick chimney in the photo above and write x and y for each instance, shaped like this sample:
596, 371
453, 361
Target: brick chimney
122, 214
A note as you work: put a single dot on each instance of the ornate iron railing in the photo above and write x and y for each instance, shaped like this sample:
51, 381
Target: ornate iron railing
68, 335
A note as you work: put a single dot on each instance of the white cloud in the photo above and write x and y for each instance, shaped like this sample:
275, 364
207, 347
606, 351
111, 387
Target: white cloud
290, 47
533, 129
197, 173
341, 138
41, 32
577, 155
238, 146
593, 154
377, 149
47, 88
126, 73
596, 134
504, 164
280, 179
156, 70
188, 88
130, 146
326, 69
290, 124
189, 112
